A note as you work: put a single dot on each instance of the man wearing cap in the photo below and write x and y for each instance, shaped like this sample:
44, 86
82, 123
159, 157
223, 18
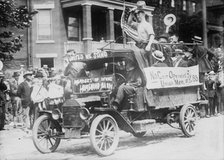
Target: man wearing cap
210, 85
189, 58
16, 101
179, 60
158, 55
202, 56
146, 35
24, 92
163, 38
134, 80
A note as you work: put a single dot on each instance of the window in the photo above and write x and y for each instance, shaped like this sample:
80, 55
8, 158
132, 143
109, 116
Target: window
44, 25
47, 61
73, 28
184, 5
193, 6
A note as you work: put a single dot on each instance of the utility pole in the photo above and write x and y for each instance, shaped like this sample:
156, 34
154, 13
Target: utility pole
204, 18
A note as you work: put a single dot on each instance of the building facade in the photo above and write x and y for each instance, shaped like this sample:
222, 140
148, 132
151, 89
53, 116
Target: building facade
82, 25
86, 26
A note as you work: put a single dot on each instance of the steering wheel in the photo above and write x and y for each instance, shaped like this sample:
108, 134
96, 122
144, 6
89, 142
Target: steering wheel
119, 79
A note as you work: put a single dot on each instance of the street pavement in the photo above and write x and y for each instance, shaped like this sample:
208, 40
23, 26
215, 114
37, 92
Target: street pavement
160, 143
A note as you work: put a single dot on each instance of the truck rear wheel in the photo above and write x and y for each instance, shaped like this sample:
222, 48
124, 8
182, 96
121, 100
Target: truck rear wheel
188, 118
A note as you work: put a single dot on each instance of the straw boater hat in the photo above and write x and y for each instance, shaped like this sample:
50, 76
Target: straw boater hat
179, 51
140, 6
211, 73
158, 55
27, 73
197, 39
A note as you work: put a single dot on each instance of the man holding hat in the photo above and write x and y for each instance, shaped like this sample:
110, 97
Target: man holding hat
145, 33
24, 92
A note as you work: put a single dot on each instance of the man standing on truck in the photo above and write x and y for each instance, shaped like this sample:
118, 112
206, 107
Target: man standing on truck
140, 30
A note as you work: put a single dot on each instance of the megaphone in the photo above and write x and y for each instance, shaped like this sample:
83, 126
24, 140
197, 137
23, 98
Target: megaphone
169, 20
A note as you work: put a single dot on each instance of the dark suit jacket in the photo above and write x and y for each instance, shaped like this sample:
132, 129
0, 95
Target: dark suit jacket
24, 92
209, 85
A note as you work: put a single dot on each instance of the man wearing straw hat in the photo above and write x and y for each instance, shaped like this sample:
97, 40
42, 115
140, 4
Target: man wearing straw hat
24, 92
158, 55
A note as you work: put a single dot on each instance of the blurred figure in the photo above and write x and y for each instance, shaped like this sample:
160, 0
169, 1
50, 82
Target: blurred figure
210, 85
21, 72
45, 71
24, 92
174, 39
164, 38
3, 88
205, 93
189, 58
38, 95
16, 101
178, 60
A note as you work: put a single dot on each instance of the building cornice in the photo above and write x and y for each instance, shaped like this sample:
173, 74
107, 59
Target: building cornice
116, 4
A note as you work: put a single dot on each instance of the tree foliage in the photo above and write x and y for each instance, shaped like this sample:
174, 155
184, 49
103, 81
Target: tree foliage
12, 18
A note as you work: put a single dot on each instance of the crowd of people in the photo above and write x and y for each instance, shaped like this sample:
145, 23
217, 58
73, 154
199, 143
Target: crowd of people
24, 85
166, 51
25, 89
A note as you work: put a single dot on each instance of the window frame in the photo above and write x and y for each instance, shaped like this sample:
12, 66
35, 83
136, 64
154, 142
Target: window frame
51, 39
40, 61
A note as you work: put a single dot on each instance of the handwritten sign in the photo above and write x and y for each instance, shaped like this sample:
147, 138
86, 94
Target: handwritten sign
86, 85
77, 56
97, 54
167, 77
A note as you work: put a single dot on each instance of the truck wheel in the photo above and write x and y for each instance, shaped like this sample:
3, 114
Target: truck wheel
188, 117
45, 133
104, 136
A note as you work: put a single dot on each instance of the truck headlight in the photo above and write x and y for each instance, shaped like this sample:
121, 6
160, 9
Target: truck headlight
56, 114
84, 113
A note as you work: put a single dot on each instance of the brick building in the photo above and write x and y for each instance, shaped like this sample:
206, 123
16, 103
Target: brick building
79, 25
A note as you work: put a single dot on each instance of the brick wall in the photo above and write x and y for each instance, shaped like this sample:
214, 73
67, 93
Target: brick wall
59, 36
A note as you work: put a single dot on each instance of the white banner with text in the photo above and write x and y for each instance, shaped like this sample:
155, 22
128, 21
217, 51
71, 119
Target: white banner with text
168, 77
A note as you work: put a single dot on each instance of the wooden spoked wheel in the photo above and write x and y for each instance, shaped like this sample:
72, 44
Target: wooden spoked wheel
188, 118
45, 134
104, 136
